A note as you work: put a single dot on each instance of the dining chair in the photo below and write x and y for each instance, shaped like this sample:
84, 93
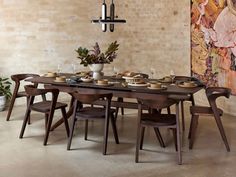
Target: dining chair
17, 78
120, 99
212, 94
46, 107
158, 120
93, 113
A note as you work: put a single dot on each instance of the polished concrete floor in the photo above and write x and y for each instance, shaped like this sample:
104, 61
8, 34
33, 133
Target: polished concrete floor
28, 157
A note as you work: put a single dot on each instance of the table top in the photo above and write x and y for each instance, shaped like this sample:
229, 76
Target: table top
117, 86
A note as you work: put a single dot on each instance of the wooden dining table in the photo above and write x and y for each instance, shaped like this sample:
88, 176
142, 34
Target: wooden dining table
117, 88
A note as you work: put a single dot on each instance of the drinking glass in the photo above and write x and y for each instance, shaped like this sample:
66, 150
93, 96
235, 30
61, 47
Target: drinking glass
73, 68
59, 69
152, 71
172, 75
115, 70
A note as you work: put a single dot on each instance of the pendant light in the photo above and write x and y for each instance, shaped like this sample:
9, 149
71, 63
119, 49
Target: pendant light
108, 20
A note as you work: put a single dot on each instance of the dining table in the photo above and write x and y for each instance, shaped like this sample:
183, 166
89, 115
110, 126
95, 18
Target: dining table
118, 87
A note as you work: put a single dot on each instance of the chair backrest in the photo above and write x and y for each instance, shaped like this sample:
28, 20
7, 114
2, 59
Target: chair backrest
32, 91
163, 101
19, 77
90, 98
213, 93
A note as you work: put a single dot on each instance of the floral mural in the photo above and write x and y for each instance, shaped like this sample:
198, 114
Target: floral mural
213, 42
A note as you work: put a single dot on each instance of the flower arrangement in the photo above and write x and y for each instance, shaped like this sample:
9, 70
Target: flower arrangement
95, 56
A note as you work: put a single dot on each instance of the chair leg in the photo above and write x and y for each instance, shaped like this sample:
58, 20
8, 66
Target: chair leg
27, 114
86, 130
119, 99
11, 106
27, 101
159, 137
50, 118
222, 132
114, 128
46, 121
142, 137
175, 138
44, 97
182, 114
193, 130
190, 128
106, 128
63, 112
72, 127
138, 142
122, 109
168, 110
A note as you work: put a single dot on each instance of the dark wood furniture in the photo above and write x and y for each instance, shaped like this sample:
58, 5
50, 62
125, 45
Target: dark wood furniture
118, 90
157, 120
93, 113
46, 107
212, 94
17, 78
120, 99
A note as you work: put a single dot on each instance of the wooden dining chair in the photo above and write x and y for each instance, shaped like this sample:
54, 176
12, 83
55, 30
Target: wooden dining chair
120, 99
17, 78
93, 113
212, 94
158, 120
46, 107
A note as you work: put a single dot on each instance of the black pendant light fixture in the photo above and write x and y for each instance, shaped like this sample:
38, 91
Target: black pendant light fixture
111, 20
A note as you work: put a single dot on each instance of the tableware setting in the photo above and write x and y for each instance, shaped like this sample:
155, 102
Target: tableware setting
188, 84
60, 79
86, 79
139, 84
50, 74
103, 82
156, 86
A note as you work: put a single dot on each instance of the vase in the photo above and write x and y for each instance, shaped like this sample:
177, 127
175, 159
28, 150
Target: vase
2, 102
96, 68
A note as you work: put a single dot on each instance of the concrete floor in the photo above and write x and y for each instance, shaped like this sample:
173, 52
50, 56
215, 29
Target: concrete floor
28, 157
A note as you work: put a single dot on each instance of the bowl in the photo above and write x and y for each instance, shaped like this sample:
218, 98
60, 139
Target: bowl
86, 79
61, 79
155, 85
102, 82
51, 74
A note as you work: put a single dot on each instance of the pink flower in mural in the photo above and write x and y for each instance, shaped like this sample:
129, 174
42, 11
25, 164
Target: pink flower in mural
215, 22
225, 29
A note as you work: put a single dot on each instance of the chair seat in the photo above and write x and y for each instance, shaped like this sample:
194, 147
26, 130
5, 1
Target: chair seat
45, 106
158, 119
21, 94
204, 110
93, 112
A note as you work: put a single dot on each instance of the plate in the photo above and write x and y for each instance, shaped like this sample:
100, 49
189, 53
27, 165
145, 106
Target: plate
138, 85
184, 86
86, 79
162, 88
59, 81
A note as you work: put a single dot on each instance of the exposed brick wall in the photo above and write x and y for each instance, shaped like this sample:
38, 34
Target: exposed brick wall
36, 35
